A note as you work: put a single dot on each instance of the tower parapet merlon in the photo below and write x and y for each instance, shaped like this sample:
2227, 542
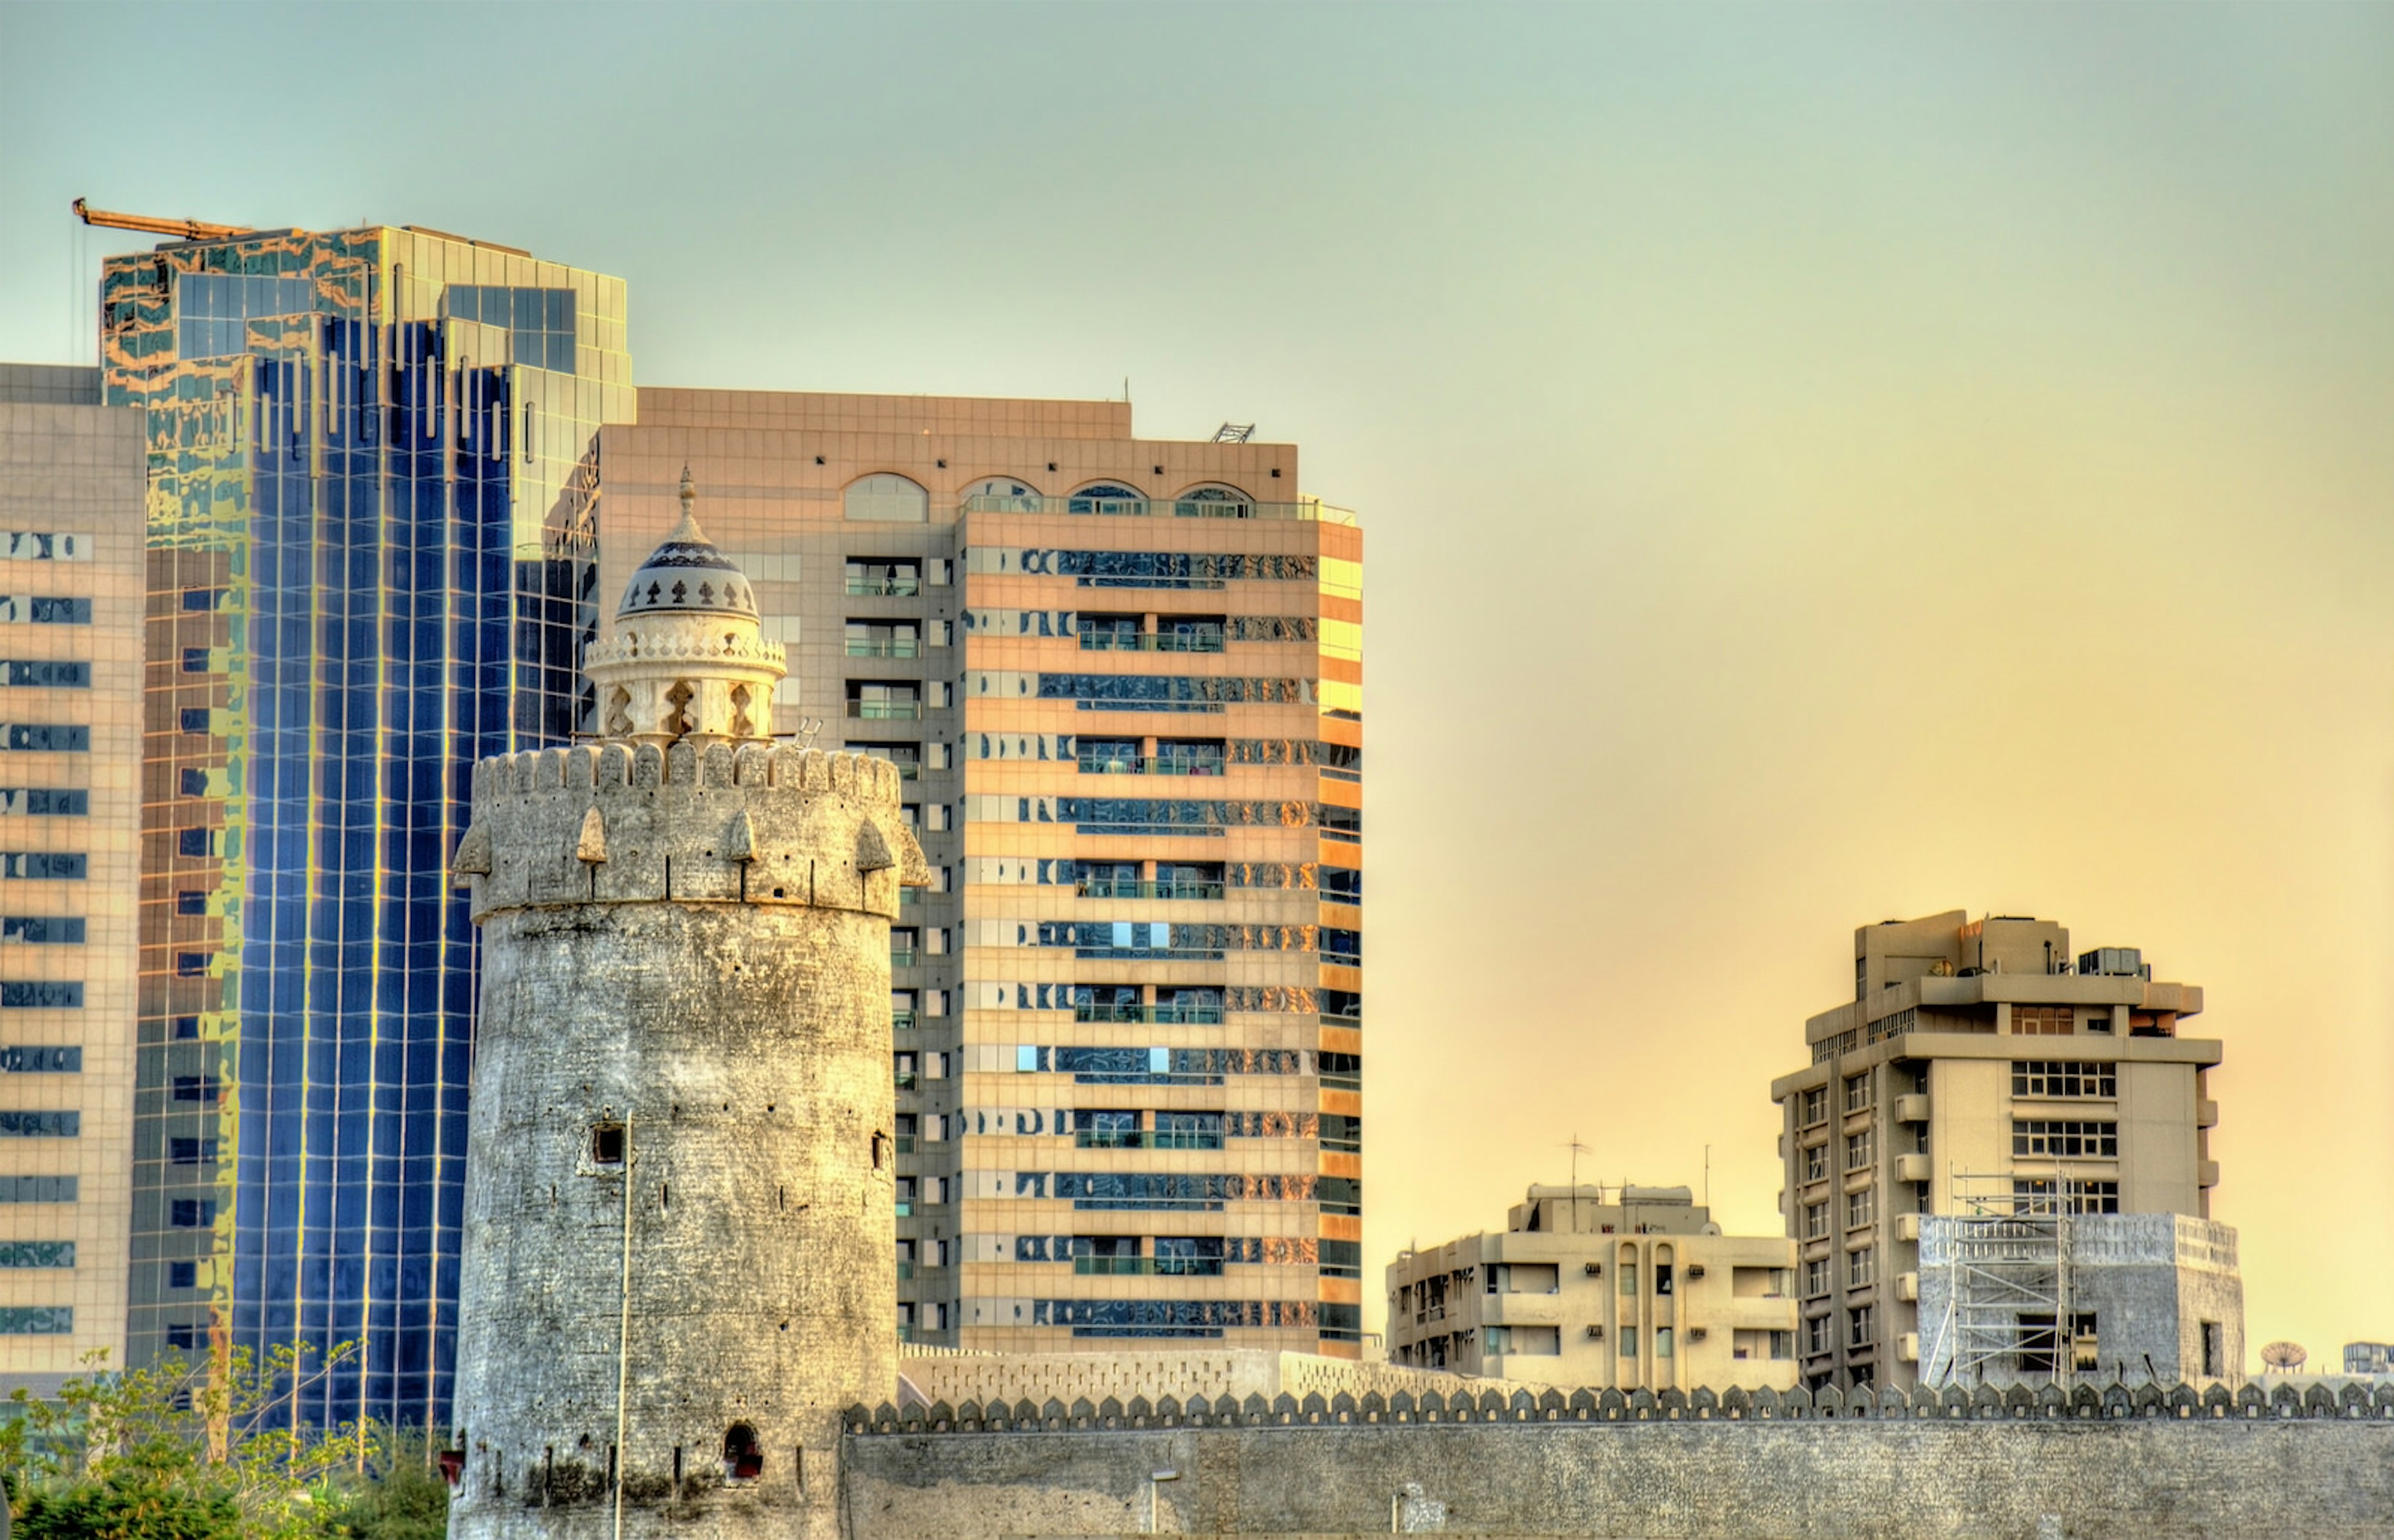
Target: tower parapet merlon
634, 824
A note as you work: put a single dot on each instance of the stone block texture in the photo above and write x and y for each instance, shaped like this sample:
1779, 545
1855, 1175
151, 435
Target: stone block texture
679, 1258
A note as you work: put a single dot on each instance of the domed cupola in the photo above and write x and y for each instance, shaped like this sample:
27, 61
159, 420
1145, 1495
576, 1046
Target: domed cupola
688, 574
687, 659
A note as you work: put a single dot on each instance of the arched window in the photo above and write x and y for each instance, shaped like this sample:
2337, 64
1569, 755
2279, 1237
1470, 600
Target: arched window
888, 499
743, 1458
1002, 495
1214, 502
1109, 498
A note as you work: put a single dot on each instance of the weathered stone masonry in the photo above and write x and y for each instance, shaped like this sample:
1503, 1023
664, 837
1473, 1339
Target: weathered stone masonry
2152, 1462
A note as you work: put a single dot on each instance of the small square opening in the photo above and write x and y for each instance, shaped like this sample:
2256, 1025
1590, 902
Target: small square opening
606, 1144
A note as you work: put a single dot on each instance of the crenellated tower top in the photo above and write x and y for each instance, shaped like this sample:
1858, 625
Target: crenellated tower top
688, 661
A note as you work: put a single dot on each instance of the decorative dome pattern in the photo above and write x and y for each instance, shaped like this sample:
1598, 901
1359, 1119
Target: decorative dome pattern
687, 574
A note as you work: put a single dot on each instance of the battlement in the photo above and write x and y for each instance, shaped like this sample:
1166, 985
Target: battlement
619, 823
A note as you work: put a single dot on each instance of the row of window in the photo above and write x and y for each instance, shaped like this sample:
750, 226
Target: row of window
28, 1059
1197, 1256
44, 674
1203, 818
1129, 1003
1188, 1190
1139, 941
21, 1123
1190, 1317
1144, 569
57, 865
45, 610
43, 929
39, 993
44, 802
1170, 757
1102, 1129
50, 737
1861, 1209
1819, 1332
37, 1320
37, 1254
37, 1190
22, 546
1861, 1271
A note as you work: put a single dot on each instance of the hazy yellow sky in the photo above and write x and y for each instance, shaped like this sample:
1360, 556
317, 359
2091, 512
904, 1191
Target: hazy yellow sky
1821, 463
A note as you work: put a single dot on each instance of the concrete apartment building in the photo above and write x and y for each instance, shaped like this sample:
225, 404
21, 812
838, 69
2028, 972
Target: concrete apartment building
70, 599
1984, 1076
1639, 1291
1122, 679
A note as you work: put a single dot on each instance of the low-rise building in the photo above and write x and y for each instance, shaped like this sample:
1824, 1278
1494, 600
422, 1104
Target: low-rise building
2369, 1358
1638, 1289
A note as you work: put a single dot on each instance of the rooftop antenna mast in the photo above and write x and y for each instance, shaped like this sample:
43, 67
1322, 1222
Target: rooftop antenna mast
1577, 1150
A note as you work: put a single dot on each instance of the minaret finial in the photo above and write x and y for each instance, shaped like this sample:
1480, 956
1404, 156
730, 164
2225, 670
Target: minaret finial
689, 530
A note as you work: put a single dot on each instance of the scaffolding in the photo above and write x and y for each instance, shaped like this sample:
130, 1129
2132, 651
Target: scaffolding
2006, 1271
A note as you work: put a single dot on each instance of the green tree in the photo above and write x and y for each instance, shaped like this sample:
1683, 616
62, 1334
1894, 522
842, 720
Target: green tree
172, 1452
402, 1495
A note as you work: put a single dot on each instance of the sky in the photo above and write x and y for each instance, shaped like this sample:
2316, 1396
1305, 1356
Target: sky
1818, 464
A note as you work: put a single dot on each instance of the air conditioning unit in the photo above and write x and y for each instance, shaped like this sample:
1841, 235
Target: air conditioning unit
1695, 1269
1696, 1333
1596, 1334
1594, 1269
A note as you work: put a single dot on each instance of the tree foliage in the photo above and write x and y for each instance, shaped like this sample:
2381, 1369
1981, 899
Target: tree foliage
173, 1452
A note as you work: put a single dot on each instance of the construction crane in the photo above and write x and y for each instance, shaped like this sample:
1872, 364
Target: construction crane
182, 229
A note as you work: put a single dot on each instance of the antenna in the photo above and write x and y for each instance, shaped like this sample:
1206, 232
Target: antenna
2287, 1358
1234, 433
1577, 1150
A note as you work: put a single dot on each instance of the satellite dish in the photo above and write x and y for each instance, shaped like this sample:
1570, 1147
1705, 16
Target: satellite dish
2284, 1357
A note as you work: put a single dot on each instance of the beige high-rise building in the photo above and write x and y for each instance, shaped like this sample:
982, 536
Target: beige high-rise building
1983, 1072
1123, 680
1639, 1290
71, 481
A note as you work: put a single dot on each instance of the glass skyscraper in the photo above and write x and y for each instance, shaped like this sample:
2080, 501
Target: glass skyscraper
372, 493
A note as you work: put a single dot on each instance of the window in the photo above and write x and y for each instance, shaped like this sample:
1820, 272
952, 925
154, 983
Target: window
1861, 1268
1628, 1336
878, 577
2042, 1020
1816, 1221
1783, 1345
1859, 1323
191, 1151
1816, 1335
37, 1254
2215, 1350
191, 1212
37, 1190
2065, 1139
885, 700
197, 660
37, 1320
1095, 1129
1816, 1105
44, 802
2065, 1078
39, 993
1861, 1208
743, 1458
2035, 1196
607, 1141
186, 1335
182, 1276
905, 944
1859, 1151
1107, 498
888, 499
1816, 1163
24, 546
1662, 1342
1816, 1278
25, 1125
196, 843
1661, 1285
1858, 1092
1626, 1270
867, 638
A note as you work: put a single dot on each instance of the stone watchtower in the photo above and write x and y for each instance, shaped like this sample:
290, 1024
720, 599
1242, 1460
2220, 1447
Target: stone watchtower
679, 1264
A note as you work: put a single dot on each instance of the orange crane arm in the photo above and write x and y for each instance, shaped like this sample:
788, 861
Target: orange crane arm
188, 230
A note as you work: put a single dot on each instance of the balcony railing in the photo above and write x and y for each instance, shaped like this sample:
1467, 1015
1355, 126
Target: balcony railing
1120, 887
1142, 1139
884, 587
1147, 1267
902, 957
1152, 641
1184, 1016
1132, 764
902, 1020
1309, 510
904, 1080
885, 647
885, 711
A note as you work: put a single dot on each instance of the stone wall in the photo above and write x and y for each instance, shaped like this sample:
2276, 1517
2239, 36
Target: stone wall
1236, 1372
2143, 1460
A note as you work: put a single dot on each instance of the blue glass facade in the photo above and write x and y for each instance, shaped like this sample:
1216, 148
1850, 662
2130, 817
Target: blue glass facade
372, 548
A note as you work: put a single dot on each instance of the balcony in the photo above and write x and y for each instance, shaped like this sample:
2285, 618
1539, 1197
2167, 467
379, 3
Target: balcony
2206, 1113
885, 711
1911, 1108
1128, 764
1104, 888
902, 1020
902, 957
1907, 1285
1309, 510
1147, 1267
904, 1080
885, 647
1913, 1168
1152, 641
1907, 1228
892, 587
1170, 1016
2207, 1173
